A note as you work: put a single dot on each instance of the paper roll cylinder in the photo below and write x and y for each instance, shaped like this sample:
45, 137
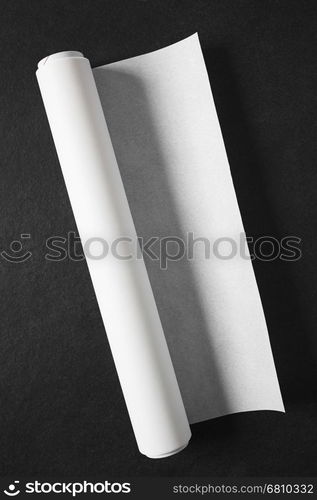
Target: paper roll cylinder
120, 282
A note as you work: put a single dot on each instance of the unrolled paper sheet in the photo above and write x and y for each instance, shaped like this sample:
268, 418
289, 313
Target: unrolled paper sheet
168, 143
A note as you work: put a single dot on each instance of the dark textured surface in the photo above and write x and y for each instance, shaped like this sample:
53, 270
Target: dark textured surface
61, 409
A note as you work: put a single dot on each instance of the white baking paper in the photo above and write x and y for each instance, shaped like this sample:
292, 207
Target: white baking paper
165, 141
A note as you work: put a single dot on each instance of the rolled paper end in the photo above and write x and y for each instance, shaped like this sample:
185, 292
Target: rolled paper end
59, 55
169, 454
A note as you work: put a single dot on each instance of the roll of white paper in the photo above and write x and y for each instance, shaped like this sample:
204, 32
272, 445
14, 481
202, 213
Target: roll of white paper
167, 140
121, 283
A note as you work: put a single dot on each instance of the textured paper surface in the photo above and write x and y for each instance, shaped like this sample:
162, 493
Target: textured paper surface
168, 143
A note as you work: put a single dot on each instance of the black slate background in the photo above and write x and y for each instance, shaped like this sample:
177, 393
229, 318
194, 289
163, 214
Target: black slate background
61, 408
